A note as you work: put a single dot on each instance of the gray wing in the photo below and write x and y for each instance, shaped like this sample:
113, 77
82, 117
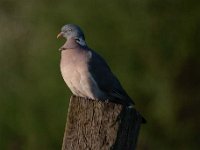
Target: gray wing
106, 80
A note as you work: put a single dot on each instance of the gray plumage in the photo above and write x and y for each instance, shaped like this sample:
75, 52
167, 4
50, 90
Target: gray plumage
85, 72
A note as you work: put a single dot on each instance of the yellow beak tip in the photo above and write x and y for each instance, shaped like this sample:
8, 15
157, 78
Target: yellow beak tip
59, 35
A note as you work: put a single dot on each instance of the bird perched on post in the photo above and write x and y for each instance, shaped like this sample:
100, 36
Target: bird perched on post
85, 72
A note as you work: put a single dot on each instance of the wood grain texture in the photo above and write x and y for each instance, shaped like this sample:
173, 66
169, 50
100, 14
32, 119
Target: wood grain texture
96, 125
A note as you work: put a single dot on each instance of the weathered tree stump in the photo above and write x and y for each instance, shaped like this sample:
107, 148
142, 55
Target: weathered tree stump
96, 125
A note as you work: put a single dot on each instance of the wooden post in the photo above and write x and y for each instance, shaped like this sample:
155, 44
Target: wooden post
95, 125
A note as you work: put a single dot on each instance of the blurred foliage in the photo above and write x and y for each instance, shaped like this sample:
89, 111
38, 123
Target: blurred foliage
151, 45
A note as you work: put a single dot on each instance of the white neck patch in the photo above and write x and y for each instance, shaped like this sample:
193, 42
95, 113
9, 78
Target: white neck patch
81, 42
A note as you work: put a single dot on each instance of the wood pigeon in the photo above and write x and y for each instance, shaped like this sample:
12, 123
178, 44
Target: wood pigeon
85, 72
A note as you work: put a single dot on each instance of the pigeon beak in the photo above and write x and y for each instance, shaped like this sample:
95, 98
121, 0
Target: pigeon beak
60, 34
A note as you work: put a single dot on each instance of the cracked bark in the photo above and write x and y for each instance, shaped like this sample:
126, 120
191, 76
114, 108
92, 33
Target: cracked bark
94, 125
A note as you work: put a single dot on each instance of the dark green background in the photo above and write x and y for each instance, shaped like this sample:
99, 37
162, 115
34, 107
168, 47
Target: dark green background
151, 45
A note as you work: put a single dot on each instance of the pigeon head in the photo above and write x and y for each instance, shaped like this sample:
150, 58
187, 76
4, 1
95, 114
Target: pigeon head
71, 31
